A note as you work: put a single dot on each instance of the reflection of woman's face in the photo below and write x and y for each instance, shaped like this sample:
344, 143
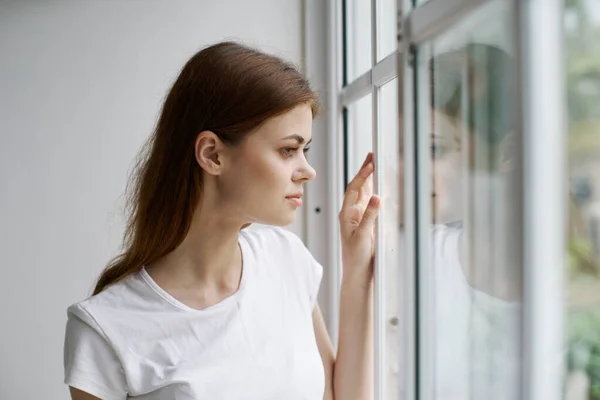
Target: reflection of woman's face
447, 170
447, 176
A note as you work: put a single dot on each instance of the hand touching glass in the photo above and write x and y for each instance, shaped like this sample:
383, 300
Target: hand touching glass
357, 221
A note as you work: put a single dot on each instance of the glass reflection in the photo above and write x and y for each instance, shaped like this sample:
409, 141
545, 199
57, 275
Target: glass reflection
475, 264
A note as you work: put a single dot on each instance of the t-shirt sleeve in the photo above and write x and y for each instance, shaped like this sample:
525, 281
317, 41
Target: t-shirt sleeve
90, 362
310, 271
315, 275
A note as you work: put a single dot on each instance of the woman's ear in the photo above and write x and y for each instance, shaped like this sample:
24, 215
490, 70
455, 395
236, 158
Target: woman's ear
207, 151
507, 149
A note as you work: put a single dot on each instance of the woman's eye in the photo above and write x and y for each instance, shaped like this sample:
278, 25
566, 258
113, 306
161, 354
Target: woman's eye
288, 151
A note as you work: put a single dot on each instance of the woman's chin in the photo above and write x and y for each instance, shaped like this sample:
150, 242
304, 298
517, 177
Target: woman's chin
289, 219
283, 219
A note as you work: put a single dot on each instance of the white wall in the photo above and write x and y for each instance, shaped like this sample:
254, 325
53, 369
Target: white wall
81, 83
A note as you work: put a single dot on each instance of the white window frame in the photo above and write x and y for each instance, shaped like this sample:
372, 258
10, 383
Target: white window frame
539, 27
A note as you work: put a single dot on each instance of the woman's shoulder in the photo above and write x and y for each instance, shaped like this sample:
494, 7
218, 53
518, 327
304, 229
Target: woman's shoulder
283, 251
276, 246
116, 302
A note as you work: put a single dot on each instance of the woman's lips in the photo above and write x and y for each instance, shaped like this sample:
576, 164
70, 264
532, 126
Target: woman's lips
297, 201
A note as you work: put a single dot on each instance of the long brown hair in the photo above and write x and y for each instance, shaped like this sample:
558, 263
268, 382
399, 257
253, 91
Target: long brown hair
229, 89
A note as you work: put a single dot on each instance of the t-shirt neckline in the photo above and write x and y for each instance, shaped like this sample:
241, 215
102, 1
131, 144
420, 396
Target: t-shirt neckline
223, 303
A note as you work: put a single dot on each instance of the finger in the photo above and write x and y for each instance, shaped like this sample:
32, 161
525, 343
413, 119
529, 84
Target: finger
363, 198
350, 198
368, 220
349, 219
353, 188
367, 192
352, 207
368, 159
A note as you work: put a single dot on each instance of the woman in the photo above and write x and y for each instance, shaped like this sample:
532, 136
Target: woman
197, 307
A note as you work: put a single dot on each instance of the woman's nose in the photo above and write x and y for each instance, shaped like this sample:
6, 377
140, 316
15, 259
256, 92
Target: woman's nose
306, 172
312, 174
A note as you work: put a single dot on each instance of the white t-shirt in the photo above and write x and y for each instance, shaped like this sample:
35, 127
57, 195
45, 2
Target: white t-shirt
135, 341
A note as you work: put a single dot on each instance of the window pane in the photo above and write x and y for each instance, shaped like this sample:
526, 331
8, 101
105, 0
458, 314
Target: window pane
582, 29
358, 38
390, 217
466, 83
360, 140
387, 29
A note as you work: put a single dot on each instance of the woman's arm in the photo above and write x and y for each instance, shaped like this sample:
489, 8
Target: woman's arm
77, 394
353, 370
326, 351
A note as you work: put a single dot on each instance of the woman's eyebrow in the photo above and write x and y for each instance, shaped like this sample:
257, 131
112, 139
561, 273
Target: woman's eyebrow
299, 138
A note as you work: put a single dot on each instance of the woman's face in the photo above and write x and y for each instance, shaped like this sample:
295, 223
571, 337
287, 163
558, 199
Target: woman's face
269, 168
447, 172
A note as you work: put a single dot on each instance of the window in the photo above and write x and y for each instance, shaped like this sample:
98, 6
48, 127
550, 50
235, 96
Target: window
370, 104
358, 38
463, 111
582, 35
471, 277
360, 127
387, 27
391, 221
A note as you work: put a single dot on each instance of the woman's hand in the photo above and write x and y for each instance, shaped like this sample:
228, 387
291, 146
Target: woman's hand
357, 221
